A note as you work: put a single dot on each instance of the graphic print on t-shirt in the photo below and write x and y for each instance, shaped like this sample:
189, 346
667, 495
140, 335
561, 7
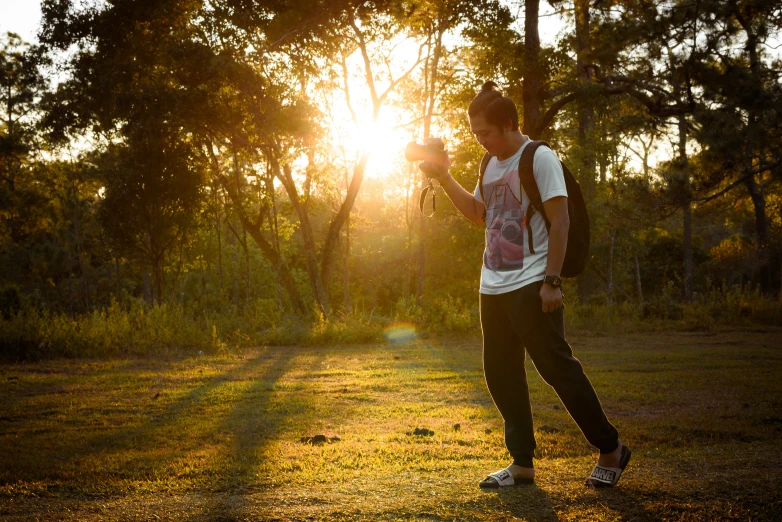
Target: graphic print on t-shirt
505, 225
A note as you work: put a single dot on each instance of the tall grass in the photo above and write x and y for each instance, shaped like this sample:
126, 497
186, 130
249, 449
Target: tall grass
174, 327
147, 330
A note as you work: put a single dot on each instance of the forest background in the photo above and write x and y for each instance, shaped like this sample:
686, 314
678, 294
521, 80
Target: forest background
206, 174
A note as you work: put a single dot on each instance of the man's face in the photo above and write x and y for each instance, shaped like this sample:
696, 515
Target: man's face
491, 137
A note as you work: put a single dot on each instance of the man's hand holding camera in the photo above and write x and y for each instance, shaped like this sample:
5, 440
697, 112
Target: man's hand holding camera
433, 157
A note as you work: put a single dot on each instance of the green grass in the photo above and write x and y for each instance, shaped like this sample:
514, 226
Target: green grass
217, 437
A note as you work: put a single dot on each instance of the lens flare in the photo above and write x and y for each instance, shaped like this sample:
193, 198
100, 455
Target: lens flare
400, 332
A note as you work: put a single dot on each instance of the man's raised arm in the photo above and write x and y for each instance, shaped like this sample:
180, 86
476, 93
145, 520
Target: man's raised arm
470, 207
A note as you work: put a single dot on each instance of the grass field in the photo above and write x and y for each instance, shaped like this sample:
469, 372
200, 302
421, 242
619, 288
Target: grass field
219, 437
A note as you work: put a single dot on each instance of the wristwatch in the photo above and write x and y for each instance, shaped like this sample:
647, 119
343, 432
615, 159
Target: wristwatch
553, 280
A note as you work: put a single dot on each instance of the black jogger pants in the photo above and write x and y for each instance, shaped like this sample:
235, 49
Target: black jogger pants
512, 322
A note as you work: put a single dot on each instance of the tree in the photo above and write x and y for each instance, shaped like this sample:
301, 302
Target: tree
121, 89
153, 193
742, 131
21, 85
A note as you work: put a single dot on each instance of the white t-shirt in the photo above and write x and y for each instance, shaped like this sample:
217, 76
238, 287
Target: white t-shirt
508, 263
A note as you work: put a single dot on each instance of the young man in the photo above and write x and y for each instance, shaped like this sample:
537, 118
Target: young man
520, 296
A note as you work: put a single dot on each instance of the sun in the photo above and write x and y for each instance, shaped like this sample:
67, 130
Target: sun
350, 105
383, 139
385, 144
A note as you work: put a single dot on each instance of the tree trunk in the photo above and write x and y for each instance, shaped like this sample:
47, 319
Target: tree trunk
329, 246
158, 278
234, 262
203, 279
147, 284
687, 208
239, 183
254, 229
247, 266
147, 276
756, 194
310, 253
116, 266
532, 82
308, 171
611, 266
421, 256
177, 286
346, 279
285, 277
332, 236
278, 264
409, 185
243, 243
585, 112
219, 237
761, 229
638, 286
754, 188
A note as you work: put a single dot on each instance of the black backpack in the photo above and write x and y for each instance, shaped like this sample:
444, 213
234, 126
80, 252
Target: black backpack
577, 252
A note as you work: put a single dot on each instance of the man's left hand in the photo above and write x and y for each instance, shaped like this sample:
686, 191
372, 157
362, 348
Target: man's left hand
551, 297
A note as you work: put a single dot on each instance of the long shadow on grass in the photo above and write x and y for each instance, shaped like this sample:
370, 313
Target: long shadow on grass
525, 502
255, 421
16, 389
146, 437
650, 505
479, 394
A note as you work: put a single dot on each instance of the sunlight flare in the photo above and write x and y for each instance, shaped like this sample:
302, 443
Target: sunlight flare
400, 332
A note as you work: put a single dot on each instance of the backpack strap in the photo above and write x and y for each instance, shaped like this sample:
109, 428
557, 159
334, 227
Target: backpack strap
484, 163
527, 178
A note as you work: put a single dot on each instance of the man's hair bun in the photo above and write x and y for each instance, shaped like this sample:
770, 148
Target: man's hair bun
498, 109
490, 86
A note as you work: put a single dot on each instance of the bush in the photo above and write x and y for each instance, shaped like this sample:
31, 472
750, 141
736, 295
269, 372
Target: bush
441, 315
666, 305
451, 315
601, 317
139, 329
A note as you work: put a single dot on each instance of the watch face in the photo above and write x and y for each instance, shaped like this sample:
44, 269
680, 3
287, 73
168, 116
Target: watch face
553, 280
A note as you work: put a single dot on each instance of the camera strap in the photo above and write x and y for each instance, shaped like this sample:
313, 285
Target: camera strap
422, 201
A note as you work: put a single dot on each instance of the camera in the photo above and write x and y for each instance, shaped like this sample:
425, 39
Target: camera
432, 148
427, 154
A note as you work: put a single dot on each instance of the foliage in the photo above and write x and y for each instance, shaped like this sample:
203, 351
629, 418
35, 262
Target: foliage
172, 328
226, 172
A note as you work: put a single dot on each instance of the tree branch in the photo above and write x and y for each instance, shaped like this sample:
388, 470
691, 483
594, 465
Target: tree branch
394, 83
739, 181
552, 111
362, 44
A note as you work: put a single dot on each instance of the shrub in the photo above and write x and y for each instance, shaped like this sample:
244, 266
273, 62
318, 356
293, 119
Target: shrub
174, 327
664, 306
447, 314
601, 317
